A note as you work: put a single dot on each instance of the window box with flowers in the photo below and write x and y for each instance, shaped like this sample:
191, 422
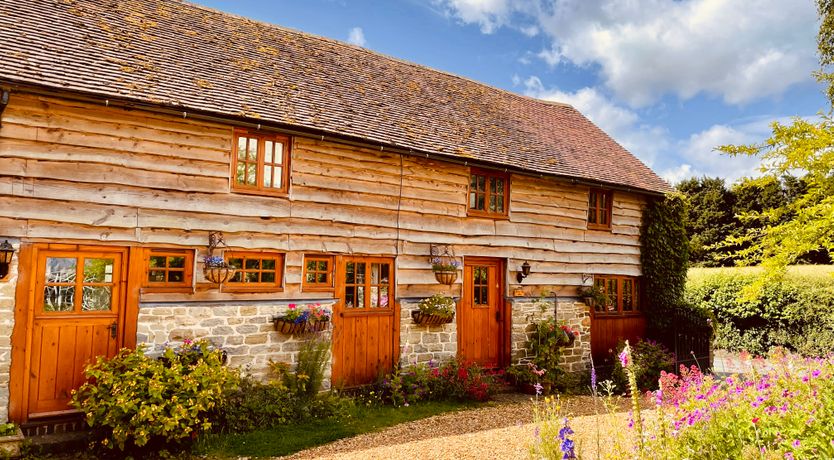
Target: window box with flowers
445, 271
216, 270
299, 320
434, 311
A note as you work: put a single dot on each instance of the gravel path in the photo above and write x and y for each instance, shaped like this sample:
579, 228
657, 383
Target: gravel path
501, 430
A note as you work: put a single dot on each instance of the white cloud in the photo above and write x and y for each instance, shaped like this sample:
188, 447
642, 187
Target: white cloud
647, 142
739, 50
356, 36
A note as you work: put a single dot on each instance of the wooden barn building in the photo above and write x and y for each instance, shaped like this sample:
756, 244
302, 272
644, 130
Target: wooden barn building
138, 137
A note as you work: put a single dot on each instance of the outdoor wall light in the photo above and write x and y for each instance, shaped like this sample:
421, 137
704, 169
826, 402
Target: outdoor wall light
6, 253
524, 272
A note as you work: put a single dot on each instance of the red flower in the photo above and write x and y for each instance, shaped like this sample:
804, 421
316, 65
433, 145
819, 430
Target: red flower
755, 420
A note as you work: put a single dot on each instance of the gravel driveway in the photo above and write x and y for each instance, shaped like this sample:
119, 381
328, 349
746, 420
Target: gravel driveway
502, 430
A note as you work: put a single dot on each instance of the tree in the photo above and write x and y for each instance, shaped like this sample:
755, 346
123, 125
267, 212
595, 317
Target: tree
806, 223
709, 217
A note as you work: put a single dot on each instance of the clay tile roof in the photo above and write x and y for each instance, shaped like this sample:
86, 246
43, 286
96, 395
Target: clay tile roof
179, 54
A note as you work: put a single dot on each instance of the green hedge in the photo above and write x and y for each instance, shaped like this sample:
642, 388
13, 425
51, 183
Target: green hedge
797, 313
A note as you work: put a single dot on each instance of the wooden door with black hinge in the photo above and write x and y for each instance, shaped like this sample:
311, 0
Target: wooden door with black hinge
481, 312
77, 311
364, 319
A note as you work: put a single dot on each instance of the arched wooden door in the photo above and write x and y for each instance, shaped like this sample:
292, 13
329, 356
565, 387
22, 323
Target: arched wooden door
77, 315
363, 320
481, 312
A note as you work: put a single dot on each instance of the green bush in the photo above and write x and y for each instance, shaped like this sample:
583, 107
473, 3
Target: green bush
132, 400
797, 313
650, 359
454, 380
254, 405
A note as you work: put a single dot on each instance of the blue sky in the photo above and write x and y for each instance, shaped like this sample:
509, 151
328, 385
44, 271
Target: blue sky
668, 79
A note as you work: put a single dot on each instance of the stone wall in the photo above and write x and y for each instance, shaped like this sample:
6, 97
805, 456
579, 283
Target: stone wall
421, 344
245, 331
7, 297
527, 311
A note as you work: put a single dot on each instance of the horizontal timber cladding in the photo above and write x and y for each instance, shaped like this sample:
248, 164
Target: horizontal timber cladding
81, 172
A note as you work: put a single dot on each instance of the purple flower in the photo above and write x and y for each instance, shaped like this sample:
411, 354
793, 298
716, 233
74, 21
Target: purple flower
624, 358
538, 387
593, 378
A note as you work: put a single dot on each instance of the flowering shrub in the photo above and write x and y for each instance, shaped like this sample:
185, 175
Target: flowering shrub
134, 400
546, 347
553, 434
785, 413
460, 380
650, 358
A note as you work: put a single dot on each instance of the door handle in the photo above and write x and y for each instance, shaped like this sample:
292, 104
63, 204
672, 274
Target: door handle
114, 330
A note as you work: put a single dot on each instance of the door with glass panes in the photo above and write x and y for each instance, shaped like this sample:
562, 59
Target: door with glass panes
363, 320
77, 316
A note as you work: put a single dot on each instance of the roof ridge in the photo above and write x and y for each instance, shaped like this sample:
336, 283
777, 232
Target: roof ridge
373, 52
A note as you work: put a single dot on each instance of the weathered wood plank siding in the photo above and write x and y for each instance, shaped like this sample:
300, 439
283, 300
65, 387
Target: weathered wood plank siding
80, 172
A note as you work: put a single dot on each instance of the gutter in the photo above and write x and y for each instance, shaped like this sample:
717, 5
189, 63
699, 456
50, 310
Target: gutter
317, 134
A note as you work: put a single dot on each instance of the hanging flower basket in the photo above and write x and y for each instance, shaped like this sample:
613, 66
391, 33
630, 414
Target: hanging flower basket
218, 275
568, 336
289, 327
318, 326
435, 319
447, 277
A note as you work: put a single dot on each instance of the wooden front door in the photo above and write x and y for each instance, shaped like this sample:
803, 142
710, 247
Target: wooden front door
77, 312
480, 316
363, 320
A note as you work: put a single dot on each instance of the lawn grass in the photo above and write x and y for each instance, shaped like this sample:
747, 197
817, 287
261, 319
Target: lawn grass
811, 272
289, 439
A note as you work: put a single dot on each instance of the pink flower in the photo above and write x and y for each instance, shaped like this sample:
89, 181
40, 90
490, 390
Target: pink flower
291, 306
624, 358
755, 420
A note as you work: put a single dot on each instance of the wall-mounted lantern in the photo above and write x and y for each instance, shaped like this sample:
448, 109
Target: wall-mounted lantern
524, 272
6, 253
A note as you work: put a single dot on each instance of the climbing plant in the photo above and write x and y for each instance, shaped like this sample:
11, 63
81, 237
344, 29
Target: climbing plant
664, 256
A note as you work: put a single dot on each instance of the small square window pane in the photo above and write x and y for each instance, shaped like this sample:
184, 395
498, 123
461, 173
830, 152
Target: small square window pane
252, 264
252, 150
241, 148
499, 203
279, 153
176, 262
473, 197
360, 296
321, 278
375, 273
240, 174
492, 204
58, 298
157, 262
350, 273
374, 297
175, 276
311, 265
268, 264
278, 177
360, 273
383, 297
96, 298
498, 186
235, 262
237, 277
350, 297
251, 277
267, 176
322, 266
156, 276
480, 204
251, 174
60, 269
98, 270
310, 277
267, 277
268, 149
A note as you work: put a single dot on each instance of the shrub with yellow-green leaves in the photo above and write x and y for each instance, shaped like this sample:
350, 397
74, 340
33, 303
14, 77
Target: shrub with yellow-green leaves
133, 400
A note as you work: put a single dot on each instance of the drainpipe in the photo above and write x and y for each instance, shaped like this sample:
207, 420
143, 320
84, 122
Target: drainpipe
4, 101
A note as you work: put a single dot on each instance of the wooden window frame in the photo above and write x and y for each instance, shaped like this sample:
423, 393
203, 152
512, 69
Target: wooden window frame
259, 188
240, 286
367, 285
328, 286
187, 285
636, 297
488, 173
609, 194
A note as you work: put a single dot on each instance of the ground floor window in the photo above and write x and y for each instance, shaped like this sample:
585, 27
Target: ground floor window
622, 295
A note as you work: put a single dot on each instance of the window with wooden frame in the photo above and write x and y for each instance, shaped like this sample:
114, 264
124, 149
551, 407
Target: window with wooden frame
318, 273
599, 209
489, 193
169, 270
255, 271
622, 295
261, 163
368, 285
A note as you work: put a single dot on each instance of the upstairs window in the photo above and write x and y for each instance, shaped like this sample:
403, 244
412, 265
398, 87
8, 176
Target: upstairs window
599, 209
622, 295
489, 193
255, 271
261, 163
